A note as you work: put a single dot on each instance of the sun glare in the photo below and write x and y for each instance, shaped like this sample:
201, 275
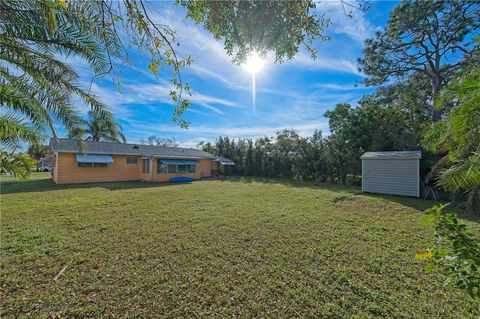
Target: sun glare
254, 63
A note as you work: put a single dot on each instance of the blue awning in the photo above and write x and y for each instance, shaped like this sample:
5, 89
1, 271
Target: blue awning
94, 158
178, 162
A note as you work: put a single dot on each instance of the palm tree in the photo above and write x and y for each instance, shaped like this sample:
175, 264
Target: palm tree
33, 82
100, 130
458, 136
13, 130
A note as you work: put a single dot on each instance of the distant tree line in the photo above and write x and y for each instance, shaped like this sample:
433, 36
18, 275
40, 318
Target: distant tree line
392, 118
159, 141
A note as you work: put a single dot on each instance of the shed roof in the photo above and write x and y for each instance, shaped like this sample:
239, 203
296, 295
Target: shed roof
72, 146
224, 161
392, 155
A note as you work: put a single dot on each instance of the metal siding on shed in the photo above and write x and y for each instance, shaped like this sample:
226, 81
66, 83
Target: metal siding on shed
391, 176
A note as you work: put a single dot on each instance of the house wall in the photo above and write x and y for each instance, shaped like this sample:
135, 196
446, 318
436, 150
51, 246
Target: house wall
204, 169
391, 176
145, 176
67, 170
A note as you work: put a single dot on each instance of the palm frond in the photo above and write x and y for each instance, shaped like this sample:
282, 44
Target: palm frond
100, 129
462, 175
14, 130
17, 165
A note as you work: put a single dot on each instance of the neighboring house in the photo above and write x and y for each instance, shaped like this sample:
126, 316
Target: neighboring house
107, 162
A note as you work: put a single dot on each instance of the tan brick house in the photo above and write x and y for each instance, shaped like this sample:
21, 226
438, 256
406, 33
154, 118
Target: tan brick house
107, 162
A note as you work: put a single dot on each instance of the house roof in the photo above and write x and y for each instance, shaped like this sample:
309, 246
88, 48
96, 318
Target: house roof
392, 155
72, 146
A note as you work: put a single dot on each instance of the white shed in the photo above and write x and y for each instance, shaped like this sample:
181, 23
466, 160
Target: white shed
394, 173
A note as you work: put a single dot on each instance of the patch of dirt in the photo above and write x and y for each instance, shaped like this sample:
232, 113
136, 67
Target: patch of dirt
342, 198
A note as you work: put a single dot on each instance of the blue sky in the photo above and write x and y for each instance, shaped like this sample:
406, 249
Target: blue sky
292, 95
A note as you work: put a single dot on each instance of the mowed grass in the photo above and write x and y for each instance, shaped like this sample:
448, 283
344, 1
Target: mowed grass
217, 249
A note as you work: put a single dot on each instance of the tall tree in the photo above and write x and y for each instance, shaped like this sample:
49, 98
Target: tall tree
37, 151
413, 97
34, 83
429, 37
458, 138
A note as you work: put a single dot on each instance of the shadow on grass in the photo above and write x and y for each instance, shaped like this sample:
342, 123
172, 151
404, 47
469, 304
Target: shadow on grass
416, 203
45, 185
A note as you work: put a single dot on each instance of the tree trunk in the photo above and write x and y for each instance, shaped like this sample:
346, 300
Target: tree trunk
436, 111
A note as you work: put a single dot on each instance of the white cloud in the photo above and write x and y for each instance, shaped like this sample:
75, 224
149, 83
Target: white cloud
154, 93
325, 63
192, 143
213, 108
210, 59
111, 97
204, 72
357, 27
304, 129
339, 87
198, 98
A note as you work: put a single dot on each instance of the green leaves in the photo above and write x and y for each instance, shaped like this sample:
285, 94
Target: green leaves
281, 27
456, 252
424, 37
13, 130
458, 137
100, 126
17, 165
463, 174
37, 89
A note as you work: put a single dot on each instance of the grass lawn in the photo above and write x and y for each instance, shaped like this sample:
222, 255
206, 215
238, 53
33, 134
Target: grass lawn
217, 249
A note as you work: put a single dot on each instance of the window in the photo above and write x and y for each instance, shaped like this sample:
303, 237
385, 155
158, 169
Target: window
181, 168
131, 160
92, 164
145, 166
163, 168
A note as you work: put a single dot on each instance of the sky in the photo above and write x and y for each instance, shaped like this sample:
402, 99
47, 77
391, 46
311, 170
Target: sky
292, 95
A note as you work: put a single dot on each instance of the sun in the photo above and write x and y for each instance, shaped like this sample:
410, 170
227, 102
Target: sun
254, 63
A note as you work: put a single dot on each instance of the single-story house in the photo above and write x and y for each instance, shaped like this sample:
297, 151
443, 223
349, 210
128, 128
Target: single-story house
108, 162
